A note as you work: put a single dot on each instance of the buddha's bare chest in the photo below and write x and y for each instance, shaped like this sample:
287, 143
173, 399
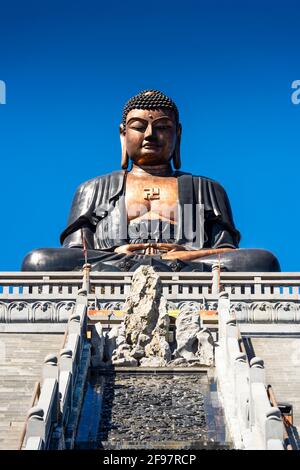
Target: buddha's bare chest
151, 196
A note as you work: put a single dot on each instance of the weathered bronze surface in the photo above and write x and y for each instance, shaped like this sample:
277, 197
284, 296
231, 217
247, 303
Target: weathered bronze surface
151, 214
164, 207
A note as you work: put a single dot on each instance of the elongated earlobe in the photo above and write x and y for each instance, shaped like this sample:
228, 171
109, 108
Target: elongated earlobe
176, 159
124, 157
176, 155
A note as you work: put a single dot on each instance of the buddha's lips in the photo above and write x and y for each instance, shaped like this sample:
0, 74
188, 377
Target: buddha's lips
151, 146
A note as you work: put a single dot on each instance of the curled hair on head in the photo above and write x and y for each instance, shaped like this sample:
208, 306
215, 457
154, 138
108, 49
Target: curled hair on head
149, 99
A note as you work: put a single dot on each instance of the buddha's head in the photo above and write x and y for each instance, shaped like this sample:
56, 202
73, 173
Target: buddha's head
150, 131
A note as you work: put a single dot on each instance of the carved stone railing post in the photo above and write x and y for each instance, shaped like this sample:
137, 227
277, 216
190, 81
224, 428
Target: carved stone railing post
66, 383
257, 285
232, 349
50, 369
223, 313
66, 360
74, 326
274, 429
86, 277
35, 424
257, 376
215, 279
78, 319
257, 370
241, 386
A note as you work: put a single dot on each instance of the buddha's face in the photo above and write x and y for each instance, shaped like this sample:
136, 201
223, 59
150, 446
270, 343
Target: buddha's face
151, 136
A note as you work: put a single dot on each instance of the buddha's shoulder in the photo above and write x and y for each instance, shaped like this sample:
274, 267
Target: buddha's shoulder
107, 179
204, 180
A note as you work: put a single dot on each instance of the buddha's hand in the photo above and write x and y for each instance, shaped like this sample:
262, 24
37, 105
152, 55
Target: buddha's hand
148, 248
194, 254
130, 248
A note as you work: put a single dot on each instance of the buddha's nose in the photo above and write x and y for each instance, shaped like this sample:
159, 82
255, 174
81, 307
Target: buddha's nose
149, 131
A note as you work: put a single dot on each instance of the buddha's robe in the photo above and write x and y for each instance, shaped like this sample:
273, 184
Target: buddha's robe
205, 219
99, 212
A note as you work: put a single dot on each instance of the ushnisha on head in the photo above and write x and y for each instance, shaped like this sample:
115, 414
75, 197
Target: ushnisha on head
150, 131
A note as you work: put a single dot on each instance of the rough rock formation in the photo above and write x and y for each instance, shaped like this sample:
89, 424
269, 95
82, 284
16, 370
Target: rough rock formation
206, 347
187, 328
143, 336
195, 346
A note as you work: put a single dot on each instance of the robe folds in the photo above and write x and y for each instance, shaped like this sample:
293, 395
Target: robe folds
205, 218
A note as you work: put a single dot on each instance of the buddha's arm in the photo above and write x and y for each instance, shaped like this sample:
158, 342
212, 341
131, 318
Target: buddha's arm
132, 247
173, 251
81, 217
194, 254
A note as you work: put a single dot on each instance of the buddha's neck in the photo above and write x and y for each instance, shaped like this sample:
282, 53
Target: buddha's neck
153, 170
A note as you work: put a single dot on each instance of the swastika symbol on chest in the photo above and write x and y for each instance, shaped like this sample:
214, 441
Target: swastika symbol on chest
151, 193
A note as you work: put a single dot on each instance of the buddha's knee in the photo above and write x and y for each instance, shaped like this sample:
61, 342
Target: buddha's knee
245, 260
264, 261
252, 259
36, 260
53, 259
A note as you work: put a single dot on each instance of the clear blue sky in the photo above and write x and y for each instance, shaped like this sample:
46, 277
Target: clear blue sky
69, 66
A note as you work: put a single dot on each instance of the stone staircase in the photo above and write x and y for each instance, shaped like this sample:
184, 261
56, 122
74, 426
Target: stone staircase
21, 360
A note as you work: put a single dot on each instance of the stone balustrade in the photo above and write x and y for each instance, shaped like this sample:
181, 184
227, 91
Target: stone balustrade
65, 285
41, 418
48, 298
253, 423
52, 413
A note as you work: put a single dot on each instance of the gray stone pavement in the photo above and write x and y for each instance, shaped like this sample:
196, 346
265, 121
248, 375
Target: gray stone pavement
21, 359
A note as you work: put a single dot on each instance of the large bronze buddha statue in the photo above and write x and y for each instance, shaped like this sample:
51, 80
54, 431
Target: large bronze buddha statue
153, 213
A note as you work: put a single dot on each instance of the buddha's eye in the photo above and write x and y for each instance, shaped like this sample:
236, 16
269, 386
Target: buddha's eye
138, 127
163, 127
